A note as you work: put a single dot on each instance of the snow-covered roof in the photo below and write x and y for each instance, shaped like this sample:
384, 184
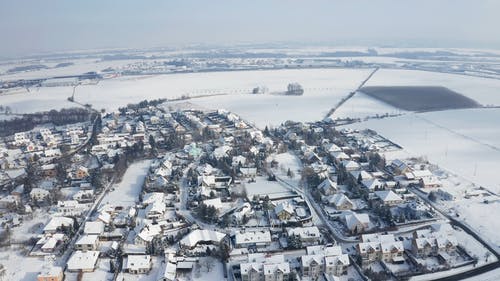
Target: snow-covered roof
87, 239
57, 222
253, 237
83, 260
136, 262
284, 207
94, 227
198, 235
305, 232
388, 196
353, 219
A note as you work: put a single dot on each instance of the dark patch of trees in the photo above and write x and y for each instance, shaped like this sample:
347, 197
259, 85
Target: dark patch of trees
29, 121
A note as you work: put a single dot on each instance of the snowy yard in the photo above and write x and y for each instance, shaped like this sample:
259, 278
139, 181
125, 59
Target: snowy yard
263, 187
126, 192
20, 267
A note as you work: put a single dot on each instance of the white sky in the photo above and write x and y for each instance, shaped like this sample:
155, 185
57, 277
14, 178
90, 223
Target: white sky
29, 26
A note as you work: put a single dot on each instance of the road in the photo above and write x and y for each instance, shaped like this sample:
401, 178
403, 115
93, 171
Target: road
64, 257
351, 94
317, 212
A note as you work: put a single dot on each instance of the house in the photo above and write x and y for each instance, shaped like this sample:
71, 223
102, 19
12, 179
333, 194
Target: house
321, 260
327, 187
284, 211
430, 182
339, 156
138, 264
239, 214
55, 224
433, 241
340, 201
80, 173
201, 236
50, 243
272, 268
357, 223
87, 243
51, 273
307, 235
399, 167
48, 170
147, 234
387, 198
84, 196
259, 239
372, 184
94, 228
362, 174
350, 165
377, 247
71, 208
39, 194
82, 261
155, 210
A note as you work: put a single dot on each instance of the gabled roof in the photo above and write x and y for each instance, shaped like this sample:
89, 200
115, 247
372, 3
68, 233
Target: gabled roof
198, 235
387, 196
353, 219
327, 184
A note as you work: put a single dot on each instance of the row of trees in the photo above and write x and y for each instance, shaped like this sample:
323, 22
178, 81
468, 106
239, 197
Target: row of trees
29, 121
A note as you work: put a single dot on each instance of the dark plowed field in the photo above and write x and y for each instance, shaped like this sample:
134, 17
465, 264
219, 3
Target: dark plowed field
420, 98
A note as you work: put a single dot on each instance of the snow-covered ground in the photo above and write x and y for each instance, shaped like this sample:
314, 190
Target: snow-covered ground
287, 161
19, 267
483, 90
361, 106
472, 155
263, 187
323, 88
126, 192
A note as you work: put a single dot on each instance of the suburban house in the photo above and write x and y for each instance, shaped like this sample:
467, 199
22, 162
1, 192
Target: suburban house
321, 260
327, 187
307, 235
387, 198
357, 223
199, 236
138, 264
377, 247
339, 201
431, 242
82, 261
257, 239
284, 211
87, 243
265, 269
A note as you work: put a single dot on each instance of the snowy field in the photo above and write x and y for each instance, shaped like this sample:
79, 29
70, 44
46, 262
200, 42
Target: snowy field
323, 89
362, 106
483, 90
473, 156
79, 67
126, 192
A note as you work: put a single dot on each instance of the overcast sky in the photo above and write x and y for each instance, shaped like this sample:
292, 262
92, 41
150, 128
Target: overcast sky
32, 26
